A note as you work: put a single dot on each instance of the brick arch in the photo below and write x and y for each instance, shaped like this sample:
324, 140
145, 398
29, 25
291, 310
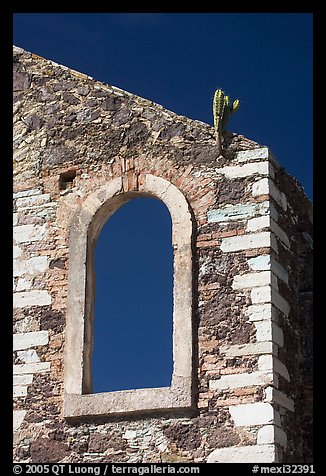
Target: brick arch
85, 227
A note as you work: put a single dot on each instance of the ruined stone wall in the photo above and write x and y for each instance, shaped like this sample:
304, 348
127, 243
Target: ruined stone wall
251, 296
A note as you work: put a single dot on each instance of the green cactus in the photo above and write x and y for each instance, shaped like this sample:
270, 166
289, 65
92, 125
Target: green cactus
222, 110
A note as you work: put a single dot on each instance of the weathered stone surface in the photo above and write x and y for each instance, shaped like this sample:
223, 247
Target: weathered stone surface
97, 443
44, 450
223, 437
54, 320
22, 81
186, 437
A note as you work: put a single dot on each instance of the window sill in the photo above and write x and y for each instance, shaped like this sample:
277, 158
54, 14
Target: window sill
127, 402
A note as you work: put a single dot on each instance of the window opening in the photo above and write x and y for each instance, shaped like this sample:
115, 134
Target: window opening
133, 314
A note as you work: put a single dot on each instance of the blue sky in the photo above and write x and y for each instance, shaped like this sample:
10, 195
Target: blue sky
178, 60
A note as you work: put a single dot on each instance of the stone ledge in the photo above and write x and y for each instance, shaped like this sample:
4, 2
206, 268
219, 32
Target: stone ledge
128, 402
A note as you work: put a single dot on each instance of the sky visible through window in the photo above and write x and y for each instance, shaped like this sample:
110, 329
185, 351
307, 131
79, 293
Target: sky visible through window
134, 298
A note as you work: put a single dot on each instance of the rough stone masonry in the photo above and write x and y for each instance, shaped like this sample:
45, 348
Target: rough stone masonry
251, 267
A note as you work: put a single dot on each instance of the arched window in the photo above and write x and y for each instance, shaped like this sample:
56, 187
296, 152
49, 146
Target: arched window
85, 227
134, 298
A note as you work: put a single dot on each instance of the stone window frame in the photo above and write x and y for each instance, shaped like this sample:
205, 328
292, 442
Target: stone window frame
84, 229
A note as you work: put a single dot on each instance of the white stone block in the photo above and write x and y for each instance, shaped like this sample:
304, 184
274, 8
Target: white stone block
24, 379
28, 356
34, 200
246, 170
241, 380
271, 434
235, 212
261, 312
278, 196
269, 362
261, 187
260, 263
251, 414
281, 303
27, 193
258, 223
29, 233
247, 242
35, 368
261, 294
19, 391
35, 265
266, 186
281, 369
18, 418
31, 298
14, 219
276, 396
263, 330
130, 434
250, 280
256, 348
24, 284
268, 330
30, 339
279, 271
280, 233
253, 154
265, 362
17, 251
277, 335
244, 454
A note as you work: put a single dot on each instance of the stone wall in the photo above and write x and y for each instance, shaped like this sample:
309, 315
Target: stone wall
252, 292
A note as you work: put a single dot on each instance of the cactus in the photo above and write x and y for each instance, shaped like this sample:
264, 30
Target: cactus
222, 110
